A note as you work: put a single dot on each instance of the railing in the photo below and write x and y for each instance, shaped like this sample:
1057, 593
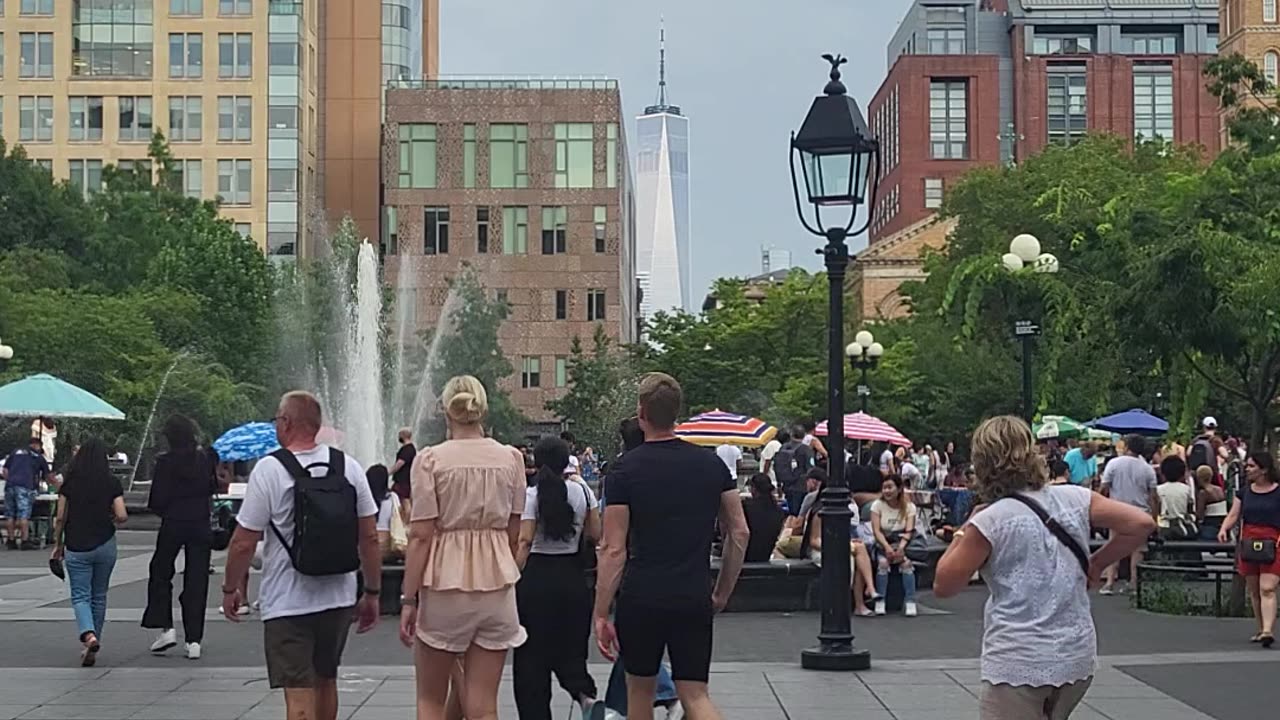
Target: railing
504, 83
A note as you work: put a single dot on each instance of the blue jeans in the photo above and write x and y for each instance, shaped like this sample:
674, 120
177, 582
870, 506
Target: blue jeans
615, 696
89, 574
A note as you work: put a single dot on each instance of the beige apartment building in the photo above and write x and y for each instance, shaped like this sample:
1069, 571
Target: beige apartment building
526, 180
237, 87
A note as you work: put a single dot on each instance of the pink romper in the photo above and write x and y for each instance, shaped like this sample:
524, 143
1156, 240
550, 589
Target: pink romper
471, 488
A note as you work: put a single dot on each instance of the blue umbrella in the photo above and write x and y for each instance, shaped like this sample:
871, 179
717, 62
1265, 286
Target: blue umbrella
46, 396
1132, 421
247, 442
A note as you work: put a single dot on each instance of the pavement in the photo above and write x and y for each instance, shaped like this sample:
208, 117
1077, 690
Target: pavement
1151, 667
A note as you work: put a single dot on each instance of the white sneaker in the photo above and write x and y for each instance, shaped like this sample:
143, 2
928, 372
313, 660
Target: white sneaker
242, 610
880, 608
193, 651
909, 609
164, 641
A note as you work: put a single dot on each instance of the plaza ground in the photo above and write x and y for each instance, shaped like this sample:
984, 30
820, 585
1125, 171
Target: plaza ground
1152, 666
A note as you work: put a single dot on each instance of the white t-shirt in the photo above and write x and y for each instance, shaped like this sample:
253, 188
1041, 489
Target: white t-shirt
1037, 627
891, 520
268, 500
886, 461
771, 448
910, 475
730, 455
390, 504
1177, 502
580, 499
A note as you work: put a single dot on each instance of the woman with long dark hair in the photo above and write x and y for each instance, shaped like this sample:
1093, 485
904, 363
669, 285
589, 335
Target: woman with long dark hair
90, 505
1258, 504
764, 518
182, 489
552, 595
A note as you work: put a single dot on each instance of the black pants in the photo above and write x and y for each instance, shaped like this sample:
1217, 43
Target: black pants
194, 540
555, 609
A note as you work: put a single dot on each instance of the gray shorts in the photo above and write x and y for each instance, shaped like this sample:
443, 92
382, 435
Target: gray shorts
1025, 702
304, 649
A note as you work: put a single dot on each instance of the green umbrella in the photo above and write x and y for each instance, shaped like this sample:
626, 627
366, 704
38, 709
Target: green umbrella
47, 396
1055, 427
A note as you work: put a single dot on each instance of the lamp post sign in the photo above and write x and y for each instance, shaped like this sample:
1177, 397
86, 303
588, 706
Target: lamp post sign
1026, 328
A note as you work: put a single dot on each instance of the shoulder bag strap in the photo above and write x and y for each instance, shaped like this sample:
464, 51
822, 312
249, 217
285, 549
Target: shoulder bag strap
1057, 530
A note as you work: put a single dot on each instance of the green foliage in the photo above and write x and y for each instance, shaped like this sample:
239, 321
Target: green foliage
602, 392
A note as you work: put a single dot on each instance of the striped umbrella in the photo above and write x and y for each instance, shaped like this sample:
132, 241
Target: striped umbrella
722, 428
861, 426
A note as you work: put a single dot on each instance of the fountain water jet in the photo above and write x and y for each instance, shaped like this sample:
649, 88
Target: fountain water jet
146, 428
361, 416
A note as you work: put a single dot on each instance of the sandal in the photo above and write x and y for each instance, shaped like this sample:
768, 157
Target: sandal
1256, 638
865, 612
1266, 640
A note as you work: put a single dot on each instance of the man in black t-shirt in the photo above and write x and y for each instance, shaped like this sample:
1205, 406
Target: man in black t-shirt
403, 465
667, 495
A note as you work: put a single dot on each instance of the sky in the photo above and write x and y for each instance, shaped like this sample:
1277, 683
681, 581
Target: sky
743, 71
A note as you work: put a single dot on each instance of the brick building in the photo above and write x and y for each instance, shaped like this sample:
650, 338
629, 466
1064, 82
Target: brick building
526, 181
1252, 29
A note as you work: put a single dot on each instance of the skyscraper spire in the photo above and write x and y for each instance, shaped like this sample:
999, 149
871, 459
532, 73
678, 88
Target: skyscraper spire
662, 61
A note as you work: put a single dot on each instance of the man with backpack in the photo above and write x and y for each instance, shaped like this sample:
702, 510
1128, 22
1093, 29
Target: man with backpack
312, 506
1202, 451
790, 465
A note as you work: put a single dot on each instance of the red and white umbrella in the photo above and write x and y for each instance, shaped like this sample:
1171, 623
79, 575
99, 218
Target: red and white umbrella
861, 426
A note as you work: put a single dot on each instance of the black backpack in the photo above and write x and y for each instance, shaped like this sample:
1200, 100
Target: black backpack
788, 465
326, 525
1201, 453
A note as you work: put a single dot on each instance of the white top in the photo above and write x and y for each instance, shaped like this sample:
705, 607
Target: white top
285, 592
1037, 626
1177, 502
891, 520
886, 460
390, 504
730, 455
910, 475
580, 498
771, 448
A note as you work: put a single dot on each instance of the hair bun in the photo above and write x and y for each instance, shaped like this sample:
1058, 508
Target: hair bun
465, 400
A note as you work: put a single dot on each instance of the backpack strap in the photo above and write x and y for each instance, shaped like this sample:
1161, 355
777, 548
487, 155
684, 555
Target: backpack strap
337, 463
297, 472
1057, 530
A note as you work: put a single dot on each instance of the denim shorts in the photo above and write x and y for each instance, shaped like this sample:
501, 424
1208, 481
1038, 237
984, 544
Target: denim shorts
17, 502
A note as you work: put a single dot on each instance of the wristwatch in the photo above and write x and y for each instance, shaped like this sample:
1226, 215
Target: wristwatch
229, 591
408, 601
375, 592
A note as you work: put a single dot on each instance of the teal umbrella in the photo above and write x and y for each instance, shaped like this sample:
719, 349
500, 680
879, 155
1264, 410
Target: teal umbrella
46, 396
1058, 426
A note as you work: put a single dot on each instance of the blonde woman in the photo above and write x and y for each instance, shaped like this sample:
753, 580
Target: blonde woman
460, 570
1030, 542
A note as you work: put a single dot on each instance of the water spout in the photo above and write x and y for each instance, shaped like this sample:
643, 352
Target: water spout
146, 428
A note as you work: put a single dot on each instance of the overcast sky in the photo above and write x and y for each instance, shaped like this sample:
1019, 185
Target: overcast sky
743, 71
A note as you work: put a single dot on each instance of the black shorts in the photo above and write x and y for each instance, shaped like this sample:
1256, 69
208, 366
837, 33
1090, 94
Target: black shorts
303, 649
683, 633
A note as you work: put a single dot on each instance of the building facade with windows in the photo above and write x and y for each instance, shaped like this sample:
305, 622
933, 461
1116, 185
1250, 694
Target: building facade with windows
525, 180
1252, 28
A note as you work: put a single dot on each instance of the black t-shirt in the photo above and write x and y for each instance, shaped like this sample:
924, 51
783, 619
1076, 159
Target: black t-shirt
405, 455
90, 521
182, 488
672, 489
1260, 508
863, 478
764, 519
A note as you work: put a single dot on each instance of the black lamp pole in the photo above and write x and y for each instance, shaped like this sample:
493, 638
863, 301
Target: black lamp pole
835, 149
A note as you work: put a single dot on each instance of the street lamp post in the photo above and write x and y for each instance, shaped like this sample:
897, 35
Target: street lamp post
1024, 254
835, 151
6, 352
864, 354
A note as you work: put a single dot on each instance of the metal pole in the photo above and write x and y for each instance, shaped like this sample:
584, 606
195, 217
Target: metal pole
835, 650
866, 395
1027, 410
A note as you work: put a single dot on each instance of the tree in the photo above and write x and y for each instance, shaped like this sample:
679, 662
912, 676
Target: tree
602, 392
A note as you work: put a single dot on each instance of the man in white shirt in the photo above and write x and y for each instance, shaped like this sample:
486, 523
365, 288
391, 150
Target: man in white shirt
771, 448
730, 455
306, 618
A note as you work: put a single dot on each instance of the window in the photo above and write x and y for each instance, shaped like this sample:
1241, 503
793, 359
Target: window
1068, 105
482, 230
283, 58
282, 243
575, 149
245, 230
508, 156
468, 155
1153, 103
186, 55
142, 167
135, 119
515, 230
417, 155
35, 118
595, 305
86, 118
948, 120
501, 296
186, 118
235, 118
1271, 66
611, 156
933, 193
35, 55
282, 117
112, 39
235, 182
44, 164
531, 373
435, 238
1152, 44
1, 43
187, 8
562, 304
395, 16
235, 7
189, 180
36, 7
946, 41
562, 372
1269, 11
1062, 44
390, 231
282, 180
602, 220
86, 176
1211, 41
554, 230
235, 55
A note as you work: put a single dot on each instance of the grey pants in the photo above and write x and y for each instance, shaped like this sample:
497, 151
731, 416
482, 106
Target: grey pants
1046, 702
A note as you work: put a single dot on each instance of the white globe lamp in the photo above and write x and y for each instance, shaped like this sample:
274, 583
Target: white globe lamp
1026, 247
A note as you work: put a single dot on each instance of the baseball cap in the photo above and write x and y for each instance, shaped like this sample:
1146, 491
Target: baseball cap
573, 466
1210, 422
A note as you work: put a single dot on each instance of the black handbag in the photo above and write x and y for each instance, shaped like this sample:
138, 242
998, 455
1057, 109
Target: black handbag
1259, 551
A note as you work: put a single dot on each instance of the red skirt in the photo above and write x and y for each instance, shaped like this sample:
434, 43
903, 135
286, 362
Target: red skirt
1259, 532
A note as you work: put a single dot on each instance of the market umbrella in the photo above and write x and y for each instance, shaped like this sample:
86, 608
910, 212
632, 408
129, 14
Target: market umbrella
722, 428
46, 396
861, 426
1132, 421
247, 442
1053, 427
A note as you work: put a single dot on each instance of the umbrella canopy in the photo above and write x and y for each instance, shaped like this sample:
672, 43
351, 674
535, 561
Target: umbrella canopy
861, 426
46, 396
247, 442
722, 428
1053, 427
1132, 421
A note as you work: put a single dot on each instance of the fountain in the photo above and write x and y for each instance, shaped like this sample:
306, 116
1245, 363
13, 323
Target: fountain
146, 428
361, 417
